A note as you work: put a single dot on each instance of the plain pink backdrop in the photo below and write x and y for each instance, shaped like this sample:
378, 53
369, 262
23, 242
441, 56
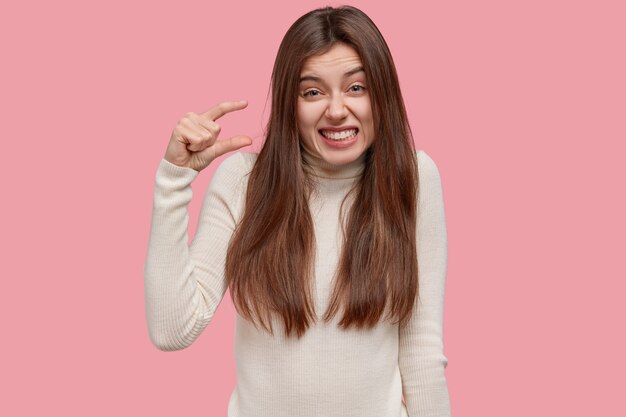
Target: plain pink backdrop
522, 105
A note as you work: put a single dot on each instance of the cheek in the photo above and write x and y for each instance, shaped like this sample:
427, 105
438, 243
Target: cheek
363, 111
307, 115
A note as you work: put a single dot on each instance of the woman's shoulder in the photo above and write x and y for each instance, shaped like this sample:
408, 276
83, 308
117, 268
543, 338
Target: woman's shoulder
231, 173
237, 164
425, 164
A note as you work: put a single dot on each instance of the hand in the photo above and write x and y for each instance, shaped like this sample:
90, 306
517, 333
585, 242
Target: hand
194, 144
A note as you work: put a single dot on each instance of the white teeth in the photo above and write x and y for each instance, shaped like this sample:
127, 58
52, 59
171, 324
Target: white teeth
343, 135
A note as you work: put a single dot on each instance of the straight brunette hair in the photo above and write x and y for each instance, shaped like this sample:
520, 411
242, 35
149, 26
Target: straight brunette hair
270, 258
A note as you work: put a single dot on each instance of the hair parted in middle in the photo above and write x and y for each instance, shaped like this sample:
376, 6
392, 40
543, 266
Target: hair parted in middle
270, 258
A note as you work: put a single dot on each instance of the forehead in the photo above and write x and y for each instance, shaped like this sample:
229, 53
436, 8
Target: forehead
339, 57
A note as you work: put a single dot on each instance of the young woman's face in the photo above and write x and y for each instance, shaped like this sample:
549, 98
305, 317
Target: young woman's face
333, 96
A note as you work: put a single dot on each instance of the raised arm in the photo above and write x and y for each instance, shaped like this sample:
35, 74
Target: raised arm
421, 358
184, 284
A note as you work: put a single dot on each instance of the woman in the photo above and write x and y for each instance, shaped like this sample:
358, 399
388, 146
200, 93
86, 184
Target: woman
317, 237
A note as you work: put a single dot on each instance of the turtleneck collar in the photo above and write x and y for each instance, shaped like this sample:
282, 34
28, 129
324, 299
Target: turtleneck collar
323, 169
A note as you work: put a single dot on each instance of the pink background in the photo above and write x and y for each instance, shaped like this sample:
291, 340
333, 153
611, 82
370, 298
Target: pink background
522, 104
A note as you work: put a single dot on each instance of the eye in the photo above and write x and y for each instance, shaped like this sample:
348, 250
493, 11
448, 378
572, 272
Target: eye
309, 93
360, 88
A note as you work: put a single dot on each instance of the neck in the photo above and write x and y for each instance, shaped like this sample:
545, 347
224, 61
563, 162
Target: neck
323, 169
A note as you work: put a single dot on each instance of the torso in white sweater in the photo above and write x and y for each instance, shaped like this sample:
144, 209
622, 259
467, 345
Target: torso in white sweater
329, 372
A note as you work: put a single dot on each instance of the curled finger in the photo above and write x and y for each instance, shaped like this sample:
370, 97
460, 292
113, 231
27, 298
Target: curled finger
211, 127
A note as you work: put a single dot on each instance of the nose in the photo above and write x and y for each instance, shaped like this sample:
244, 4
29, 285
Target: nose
336, 107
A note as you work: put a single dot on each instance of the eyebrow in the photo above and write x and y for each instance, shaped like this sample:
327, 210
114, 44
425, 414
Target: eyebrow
346, 75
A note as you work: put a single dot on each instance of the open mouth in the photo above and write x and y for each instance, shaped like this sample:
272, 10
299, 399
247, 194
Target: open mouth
344, 135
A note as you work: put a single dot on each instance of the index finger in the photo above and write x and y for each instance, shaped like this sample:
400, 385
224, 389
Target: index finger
224, 107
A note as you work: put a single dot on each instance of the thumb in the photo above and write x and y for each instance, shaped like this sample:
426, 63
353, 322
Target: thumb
220, 147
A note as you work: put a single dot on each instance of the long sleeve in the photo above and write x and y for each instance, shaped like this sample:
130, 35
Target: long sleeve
184, 284
421, 358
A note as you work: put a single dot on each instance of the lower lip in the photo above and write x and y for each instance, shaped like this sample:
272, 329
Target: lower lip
340, 143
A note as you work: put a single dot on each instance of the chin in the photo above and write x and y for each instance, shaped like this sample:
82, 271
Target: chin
341, 158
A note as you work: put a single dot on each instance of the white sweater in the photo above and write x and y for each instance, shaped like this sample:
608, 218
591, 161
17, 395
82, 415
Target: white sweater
329, 372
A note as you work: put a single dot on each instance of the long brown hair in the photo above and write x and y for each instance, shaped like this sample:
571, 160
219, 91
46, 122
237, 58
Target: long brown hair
269, 264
